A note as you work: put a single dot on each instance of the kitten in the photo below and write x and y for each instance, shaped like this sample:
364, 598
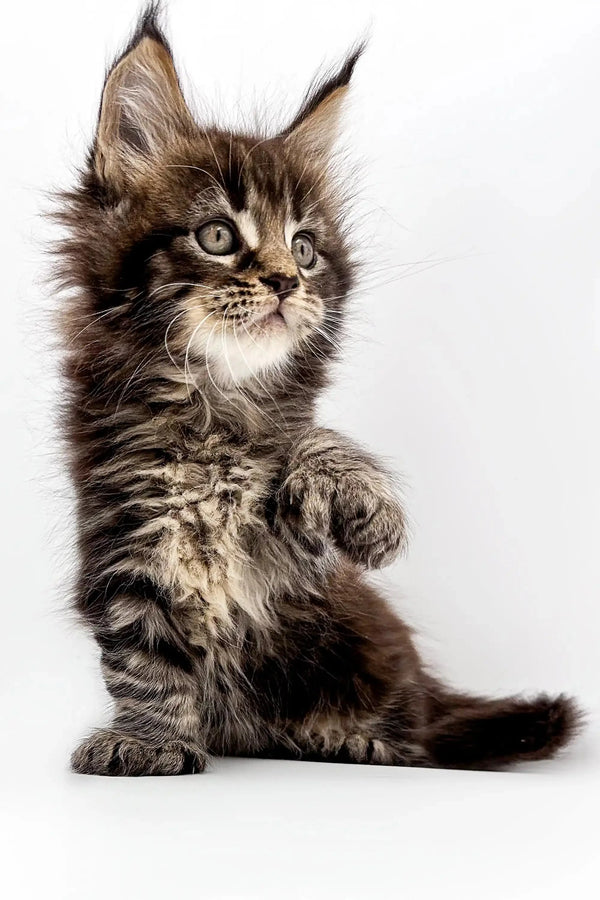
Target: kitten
223, 535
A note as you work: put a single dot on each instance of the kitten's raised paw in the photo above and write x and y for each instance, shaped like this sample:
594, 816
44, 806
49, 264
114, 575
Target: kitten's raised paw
370, 528
366, 523
108, 752
304, 509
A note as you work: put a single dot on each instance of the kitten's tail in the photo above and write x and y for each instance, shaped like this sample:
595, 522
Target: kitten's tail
467, 732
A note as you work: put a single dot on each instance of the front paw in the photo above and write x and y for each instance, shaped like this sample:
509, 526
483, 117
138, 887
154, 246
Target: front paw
304, 509
108, 752
369, 526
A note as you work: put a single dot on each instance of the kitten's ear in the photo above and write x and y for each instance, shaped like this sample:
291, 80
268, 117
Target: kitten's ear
142, 108
316, 125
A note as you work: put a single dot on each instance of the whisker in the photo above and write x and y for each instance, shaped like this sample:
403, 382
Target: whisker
168, 328
261, 384
238, 387
170, 284
197, 169
301, 177
210, 144
225, 354
246, 157
329, 339
208, 372
130, 380
186, 366
96, 317
317, 181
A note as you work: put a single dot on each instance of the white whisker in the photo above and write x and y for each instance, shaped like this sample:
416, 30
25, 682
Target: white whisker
213, 382
247, 156
210, 144
186, 366
261, 384
197, 169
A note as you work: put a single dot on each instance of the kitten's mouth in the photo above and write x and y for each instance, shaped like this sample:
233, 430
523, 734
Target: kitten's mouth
269, 320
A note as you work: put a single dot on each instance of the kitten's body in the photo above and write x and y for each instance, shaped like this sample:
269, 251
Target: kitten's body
223, 534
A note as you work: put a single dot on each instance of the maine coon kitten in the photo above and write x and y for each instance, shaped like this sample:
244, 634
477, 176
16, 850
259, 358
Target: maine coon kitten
223, 535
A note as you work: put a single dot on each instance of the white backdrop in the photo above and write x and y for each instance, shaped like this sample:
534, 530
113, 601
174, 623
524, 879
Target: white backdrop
473, 368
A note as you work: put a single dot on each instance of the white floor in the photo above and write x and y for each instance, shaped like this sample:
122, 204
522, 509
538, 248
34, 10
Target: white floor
258, 829
262, 830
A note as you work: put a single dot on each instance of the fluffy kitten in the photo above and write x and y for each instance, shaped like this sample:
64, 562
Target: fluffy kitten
223, 535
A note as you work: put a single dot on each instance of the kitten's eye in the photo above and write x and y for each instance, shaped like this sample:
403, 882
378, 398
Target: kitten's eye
303, 249
217, 237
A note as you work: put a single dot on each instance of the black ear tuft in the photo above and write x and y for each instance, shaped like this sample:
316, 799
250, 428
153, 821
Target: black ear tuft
326, 84
148, 25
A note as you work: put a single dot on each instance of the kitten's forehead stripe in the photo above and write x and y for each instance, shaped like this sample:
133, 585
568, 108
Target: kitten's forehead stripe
247, 227
291, 227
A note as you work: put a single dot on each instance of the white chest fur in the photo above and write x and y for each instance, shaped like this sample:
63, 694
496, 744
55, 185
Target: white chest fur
203, 522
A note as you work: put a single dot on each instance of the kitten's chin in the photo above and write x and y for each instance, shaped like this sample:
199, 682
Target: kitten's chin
235, 358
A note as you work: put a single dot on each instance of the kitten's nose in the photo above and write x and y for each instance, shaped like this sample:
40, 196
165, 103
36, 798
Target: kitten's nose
283, 285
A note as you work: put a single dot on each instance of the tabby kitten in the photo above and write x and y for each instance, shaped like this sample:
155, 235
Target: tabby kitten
223, 535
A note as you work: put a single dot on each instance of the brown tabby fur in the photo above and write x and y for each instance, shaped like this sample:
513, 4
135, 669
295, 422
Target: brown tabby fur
223, 535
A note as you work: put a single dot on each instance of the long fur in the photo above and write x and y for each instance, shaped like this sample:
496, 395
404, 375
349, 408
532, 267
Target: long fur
223, 535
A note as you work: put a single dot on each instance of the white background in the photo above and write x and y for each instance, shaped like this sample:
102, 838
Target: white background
477, 126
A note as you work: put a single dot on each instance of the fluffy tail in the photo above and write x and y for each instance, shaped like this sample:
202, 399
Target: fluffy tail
475, 733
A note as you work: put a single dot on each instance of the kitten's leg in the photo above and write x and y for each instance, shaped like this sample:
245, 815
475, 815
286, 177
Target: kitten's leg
333, 490
361, 694
153, 679
345, 675
472, 733
386, 738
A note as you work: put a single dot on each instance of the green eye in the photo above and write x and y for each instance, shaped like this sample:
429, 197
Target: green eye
217, 237
303, 249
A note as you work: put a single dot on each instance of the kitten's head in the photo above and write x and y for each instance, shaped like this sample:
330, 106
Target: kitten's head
222, 254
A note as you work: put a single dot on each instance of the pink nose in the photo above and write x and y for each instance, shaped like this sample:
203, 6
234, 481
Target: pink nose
283, 285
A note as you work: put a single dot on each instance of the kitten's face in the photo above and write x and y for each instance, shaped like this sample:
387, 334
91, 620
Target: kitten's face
264, 282
222, 255
259, 268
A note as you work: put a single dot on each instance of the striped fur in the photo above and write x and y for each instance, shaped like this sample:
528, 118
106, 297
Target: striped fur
223, 535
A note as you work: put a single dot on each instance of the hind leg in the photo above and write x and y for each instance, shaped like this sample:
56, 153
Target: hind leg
356, 691
478, 734
348, 686
369, 742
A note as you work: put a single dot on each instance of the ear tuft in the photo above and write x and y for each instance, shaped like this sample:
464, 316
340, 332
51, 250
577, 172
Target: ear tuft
148, 25
316, 125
